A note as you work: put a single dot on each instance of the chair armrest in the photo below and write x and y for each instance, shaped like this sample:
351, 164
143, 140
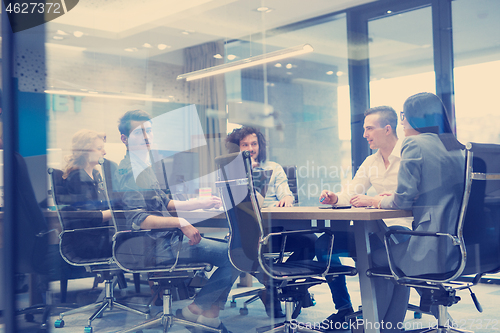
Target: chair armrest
148, 236
265, 239
395, 271
389, 233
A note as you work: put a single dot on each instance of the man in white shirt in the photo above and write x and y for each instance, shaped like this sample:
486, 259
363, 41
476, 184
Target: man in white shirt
379, 171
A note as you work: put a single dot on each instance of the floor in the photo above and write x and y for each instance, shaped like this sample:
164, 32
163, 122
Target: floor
464, 313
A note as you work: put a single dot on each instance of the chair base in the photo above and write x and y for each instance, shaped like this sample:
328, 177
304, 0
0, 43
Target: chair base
255, 296
167, 319
29, 315
107, 303
289, 325
286, 327
436, 329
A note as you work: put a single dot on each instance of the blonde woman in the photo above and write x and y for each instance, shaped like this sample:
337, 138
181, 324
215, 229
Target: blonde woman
85, 191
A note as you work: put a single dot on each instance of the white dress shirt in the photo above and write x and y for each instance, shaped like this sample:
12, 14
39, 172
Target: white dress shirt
373, 173
278, 184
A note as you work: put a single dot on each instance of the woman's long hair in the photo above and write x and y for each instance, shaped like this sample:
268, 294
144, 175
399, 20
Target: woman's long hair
81, 144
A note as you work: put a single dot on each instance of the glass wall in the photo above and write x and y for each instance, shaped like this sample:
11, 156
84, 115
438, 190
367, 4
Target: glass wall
401, 58
87, 68
477, 65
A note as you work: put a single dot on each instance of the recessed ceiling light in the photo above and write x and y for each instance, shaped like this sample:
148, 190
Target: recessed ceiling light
231, 57
289, 73
163, 46
289, 66
262, 9
187, 32
146, 45
340, 73
389, 11
217, 56
58, 37
131, 49
278, 65
329, 73
60, 32
78, 34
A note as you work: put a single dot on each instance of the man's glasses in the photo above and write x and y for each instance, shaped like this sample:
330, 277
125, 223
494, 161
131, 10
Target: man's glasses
402, 116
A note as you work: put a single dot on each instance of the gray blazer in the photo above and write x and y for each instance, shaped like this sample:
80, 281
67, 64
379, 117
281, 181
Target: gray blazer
430, 183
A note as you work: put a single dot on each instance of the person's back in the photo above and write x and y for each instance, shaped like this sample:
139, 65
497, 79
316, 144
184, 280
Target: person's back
440, 194
430, 183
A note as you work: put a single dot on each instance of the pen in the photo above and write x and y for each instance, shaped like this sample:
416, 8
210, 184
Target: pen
323, 199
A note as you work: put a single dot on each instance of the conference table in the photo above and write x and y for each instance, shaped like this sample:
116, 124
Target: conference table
303, 218
364, 220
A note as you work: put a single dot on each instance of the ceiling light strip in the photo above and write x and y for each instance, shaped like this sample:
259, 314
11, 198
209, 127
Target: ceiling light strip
248, 62
106, 95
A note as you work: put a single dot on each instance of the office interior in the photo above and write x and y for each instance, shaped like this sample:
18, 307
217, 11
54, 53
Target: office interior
85, 68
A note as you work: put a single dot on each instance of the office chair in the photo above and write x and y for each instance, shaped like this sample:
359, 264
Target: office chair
134, 251
476, 241
109, 170
35, 255
291, 173
83, 244
248, 239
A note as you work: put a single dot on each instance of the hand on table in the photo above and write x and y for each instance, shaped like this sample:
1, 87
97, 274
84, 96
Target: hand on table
212, 202
286, 201
361, 200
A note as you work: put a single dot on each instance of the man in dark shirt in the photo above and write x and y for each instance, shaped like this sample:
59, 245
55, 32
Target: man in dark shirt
148, 207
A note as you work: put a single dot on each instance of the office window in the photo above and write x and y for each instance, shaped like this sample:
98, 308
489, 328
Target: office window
307, 121
88, 67
477, 67
401, 58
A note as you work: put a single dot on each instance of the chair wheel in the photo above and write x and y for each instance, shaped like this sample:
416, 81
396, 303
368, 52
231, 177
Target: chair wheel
233, 304
59, 323
88, 329
29, 317
417, 315
243, 311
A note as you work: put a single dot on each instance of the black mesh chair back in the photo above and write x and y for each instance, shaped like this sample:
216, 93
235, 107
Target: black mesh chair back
141, 251
34, 253
32, 236
481, 230
84, 240
242, 209
248, 239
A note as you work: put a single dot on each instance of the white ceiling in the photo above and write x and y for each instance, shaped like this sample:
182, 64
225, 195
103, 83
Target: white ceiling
112, 26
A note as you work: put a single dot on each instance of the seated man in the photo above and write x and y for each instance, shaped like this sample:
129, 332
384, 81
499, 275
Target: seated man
378, 171
150, 210
278, 194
